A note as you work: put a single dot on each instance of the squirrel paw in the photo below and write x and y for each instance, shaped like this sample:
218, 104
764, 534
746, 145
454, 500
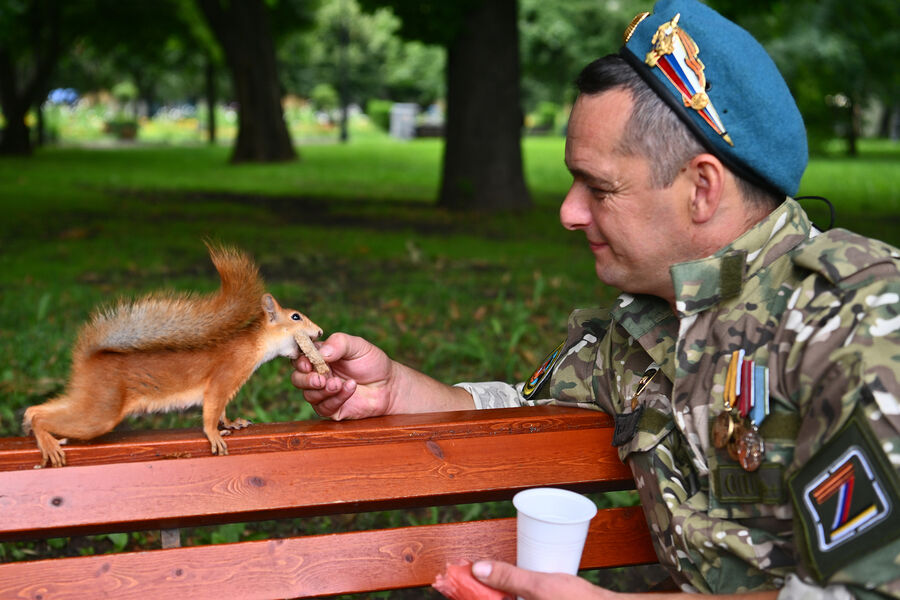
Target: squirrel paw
54, 456
234, 424
51, 452
217, 444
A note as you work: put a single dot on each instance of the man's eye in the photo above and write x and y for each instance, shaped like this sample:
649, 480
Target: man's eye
598, 193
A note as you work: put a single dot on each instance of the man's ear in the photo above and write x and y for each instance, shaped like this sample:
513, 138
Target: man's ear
708, 176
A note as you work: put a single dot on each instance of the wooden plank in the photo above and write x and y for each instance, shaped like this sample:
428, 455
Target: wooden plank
21, 453
309, 566
245, 487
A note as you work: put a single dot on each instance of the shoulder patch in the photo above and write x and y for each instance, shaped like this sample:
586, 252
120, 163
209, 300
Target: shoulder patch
847, 498
542, 373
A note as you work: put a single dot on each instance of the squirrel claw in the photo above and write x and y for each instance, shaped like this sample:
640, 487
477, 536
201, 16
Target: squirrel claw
235, 424
217, 444
52, 454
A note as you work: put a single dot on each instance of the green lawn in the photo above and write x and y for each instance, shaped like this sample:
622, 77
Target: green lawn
348, 234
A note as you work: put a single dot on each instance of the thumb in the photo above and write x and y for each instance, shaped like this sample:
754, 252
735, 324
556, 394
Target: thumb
505, 577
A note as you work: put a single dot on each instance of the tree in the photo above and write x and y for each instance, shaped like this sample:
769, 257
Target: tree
558, 39
31, 41
482, 167
97, 41
482, 164
835, 56
360, 54
353, 51
244, 31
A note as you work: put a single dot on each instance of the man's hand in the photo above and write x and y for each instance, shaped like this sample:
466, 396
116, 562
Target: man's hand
365, 382
536, 586
531, 585
360, 381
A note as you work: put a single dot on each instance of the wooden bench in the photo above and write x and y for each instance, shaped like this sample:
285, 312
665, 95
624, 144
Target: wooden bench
168, 480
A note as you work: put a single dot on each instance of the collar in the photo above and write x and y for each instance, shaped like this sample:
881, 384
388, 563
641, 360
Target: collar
701, 284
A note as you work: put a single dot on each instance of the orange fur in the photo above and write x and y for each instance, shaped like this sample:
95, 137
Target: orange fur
167, 351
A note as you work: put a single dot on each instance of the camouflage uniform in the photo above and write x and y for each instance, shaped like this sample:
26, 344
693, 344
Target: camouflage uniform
822, 312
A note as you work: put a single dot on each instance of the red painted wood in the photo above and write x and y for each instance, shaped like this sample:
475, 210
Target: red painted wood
138, 480
310, 566
21, 453
192, 491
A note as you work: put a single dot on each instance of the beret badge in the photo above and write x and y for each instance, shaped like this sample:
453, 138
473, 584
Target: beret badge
676, 54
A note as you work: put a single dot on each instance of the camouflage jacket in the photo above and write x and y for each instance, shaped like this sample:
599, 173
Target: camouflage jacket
822, 312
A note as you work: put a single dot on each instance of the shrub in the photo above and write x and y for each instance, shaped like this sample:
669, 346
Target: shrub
379, 112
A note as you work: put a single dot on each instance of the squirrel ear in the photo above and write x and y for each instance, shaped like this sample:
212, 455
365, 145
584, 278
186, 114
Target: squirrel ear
270, 305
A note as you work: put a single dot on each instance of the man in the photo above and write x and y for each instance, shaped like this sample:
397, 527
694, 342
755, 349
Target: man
751, 363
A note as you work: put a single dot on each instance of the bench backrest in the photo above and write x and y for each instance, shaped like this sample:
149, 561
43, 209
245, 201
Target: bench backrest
167, 480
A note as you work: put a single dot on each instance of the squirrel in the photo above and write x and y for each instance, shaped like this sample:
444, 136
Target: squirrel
173, 350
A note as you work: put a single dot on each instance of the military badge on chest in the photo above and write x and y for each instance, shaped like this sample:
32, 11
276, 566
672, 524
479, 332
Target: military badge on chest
627, 423
746, 400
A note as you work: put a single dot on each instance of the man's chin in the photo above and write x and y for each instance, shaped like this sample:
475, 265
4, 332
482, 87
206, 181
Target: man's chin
619, 280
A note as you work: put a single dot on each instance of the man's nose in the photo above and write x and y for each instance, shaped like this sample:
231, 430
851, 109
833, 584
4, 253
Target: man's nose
574, 213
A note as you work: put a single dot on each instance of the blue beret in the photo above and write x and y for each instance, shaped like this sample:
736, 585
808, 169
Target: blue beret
724, 85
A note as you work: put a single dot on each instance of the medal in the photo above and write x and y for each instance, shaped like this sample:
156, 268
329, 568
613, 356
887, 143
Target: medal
750, 449
723, 427
746, 405
732, 446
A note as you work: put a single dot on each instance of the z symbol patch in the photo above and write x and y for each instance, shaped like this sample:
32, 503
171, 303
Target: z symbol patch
847, 498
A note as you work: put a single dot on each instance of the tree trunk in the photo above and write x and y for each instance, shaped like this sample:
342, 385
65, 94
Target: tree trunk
16, 136
854, 128
17, 92
211, 100
482, 167
244, 31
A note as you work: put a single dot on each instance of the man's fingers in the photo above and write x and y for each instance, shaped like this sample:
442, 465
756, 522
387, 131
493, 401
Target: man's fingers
536, 586
342, 346
306, 380
331, 405
503, 576
303, 364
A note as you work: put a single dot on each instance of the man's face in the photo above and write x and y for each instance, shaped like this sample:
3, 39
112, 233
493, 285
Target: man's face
634, 230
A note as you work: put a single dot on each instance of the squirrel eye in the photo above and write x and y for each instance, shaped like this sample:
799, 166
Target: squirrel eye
295, 316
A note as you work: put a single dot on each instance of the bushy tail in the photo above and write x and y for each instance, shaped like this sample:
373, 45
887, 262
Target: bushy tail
173, 321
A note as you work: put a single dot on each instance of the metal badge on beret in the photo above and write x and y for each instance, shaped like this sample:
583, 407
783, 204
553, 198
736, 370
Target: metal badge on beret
677, 55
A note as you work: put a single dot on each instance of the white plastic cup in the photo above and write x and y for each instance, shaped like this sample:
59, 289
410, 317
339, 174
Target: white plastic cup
551, 527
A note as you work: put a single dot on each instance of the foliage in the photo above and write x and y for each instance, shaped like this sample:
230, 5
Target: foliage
361, 54
559, 38
379, 111
835, 56
545, 115
324, 97
430, 21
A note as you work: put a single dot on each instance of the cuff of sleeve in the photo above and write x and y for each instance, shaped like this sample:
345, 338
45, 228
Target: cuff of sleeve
493, 394
796, 589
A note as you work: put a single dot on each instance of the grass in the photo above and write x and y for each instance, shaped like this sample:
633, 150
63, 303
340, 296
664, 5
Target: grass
348, 234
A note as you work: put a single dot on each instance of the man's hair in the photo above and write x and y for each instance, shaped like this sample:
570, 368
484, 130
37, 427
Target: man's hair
653, 130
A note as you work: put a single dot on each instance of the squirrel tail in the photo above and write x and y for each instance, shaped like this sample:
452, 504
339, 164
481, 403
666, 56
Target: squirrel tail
181, 321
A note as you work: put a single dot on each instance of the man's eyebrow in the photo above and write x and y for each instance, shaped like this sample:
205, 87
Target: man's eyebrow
581, 173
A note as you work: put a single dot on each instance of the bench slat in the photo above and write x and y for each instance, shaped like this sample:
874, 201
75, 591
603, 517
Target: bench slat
20, 453
313, 565
177, 493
